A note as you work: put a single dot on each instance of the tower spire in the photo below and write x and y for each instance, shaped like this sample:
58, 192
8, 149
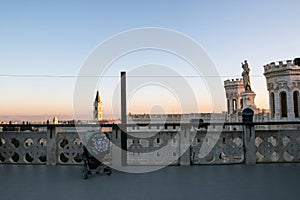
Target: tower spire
97, 107
97, 99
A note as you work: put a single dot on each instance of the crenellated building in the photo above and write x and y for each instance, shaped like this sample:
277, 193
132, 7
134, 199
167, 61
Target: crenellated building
283, 83
234, 89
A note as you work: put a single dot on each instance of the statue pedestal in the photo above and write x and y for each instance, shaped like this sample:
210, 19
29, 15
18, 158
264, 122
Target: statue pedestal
248, 99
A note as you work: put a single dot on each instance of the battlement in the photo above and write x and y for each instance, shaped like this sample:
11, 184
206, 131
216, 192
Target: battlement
280, 65
232, 82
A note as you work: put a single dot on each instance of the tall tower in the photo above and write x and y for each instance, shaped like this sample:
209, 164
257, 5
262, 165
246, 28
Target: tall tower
283, 83
234, 90
97, 114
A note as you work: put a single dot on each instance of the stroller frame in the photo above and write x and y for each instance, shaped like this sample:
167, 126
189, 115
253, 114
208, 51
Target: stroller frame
92, 164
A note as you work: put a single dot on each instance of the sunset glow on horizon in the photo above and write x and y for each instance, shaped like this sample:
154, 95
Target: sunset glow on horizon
44, 45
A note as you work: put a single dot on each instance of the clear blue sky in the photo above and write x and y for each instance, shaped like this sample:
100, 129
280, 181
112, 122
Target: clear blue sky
54, 38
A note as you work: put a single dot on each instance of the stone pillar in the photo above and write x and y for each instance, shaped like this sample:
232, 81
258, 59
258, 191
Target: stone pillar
123, 118
229, 113
51, 145
123, 98
271, 106
230, 106
249, 137
277, 106
184, 145
249, 142
116, 151
248, 99
290, 106
237, 104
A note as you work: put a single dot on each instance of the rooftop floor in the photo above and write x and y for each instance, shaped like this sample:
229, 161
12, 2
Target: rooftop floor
262, 181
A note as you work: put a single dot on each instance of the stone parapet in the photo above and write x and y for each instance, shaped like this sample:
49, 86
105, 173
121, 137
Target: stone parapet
233, 82
280, 66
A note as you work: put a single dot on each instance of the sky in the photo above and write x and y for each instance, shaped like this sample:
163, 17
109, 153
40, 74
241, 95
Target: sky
45, 43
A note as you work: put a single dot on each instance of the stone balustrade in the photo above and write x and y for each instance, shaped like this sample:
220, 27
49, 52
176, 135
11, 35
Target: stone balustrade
157, 144
277, 146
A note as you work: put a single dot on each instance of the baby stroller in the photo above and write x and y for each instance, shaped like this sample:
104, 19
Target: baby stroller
99, 146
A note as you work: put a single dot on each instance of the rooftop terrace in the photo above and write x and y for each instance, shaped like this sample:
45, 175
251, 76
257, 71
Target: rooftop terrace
247, 164
263, 181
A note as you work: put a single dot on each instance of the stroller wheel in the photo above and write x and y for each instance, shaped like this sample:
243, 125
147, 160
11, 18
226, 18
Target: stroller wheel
85, 173
107, 171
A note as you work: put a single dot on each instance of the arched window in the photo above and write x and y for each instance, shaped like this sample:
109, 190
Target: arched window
296, 103
241, 104
272, 102
283, 103
234, 105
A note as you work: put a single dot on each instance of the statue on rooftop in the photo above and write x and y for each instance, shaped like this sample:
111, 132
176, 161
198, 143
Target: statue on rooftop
246, 76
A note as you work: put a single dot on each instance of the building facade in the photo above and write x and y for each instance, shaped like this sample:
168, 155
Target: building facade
283, 83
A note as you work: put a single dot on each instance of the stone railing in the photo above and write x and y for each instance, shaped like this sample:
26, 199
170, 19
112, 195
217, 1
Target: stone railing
155, 144
229, 149
277, 146
23, 147
37, 147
